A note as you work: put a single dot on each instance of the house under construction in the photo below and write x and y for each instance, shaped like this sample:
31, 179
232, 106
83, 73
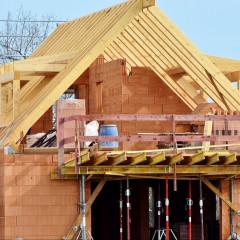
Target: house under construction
175, 171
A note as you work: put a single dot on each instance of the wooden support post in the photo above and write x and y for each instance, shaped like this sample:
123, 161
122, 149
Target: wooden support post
60, 128
207, 131
16, 94
220, 195
3, 99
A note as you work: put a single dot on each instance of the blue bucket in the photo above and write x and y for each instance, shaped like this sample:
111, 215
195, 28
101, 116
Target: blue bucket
108, 130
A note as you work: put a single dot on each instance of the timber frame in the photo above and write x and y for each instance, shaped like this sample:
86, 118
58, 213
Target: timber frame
186, 162
135, 30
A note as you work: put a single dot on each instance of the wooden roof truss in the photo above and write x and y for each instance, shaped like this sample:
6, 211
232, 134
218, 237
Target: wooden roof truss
135, 30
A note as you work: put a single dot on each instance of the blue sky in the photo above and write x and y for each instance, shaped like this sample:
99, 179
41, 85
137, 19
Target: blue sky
212, 25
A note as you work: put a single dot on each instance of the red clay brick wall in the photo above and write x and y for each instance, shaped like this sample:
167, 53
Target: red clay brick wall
142, 92
44, 123
225, 210
110, 74
32, 206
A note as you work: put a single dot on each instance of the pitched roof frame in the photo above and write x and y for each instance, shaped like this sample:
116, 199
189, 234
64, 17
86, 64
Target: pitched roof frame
135, 30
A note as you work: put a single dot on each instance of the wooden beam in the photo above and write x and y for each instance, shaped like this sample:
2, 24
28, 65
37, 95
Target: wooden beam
220, 195
212, 159
16, 95
176, 158
3, 100
196, 158
216, 170
225, 64
229, 159
36, 68
97, 159
115, 159
196, 63
84, 156
92, 42
207, 131
53, 58
175, 70
156, 158
90, 201
148, 3
7, 77
133, 159
188, 88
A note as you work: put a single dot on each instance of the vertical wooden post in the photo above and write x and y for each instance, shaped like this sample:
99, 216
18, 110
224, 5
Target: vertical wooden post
3, 99
60, 128
16, 94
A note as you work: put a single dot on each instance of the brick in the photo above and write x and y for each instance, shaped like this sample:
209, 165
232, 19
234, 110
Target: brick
135, 99
10, 221
43, 158
130, 90
155, 108
135, 80
9, 180
141, 90
149, 99
138, 71
141, 109
9, 158
172, 99
129, 109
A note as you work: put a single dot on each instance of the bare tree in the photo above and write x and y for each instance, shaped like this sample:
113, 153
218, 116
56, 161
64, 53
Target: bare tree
22, 33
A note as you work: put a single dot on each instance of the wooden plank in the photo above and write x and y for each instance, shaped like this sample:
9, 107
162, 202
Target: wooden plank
132, 40
229, 159
217, 170
220, 195
84, 156
89, 49
188, 88
176, 158
54, 58
43, 68
148, 3
169, 42
198, 61
16, 95
214, 158
207, 131
196, 158
116, 159
90, 201
3, 98
133, 159
7, 77
97, 159
156, 158
225, 64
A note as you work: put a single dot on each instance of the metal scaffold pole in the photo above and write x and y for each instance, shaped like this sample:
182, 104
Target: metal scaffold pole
201, 209
121, 212
83, 207
83, 233
189, 203
128, 193
167, 209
